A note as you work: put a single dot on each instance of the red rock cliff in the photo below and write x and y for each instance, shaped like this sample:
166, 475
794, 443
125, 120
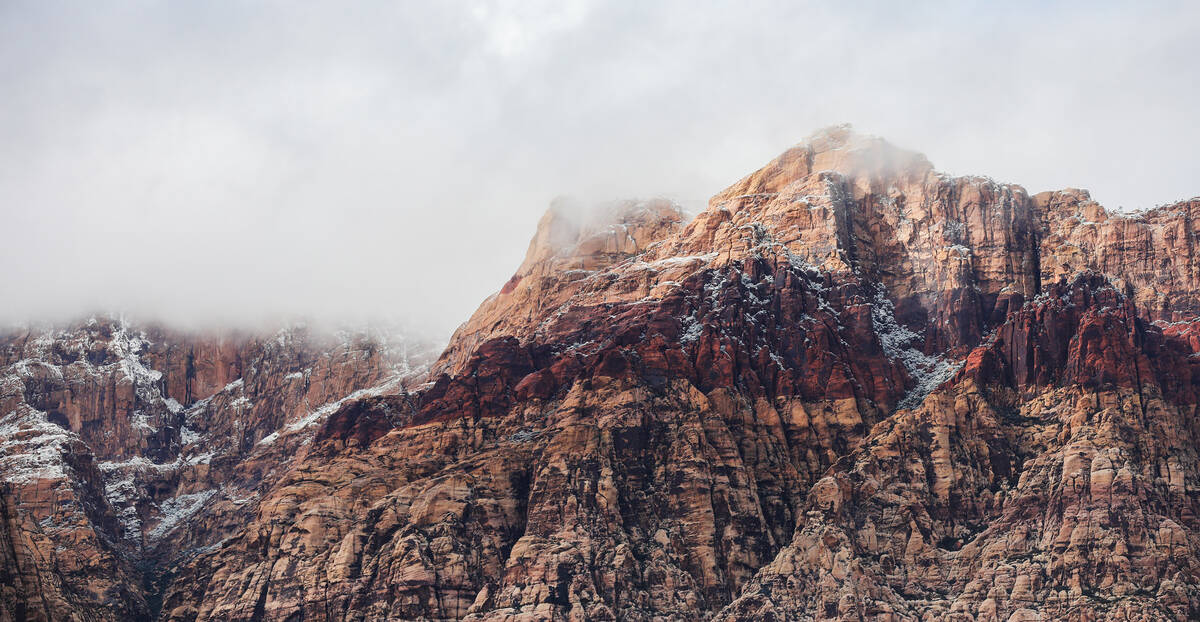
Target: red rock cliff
853, 388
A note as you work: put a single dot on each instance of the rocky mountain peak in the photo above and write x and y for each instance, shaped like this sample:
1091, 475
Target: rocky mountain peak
868, 161
851, 388
573, 236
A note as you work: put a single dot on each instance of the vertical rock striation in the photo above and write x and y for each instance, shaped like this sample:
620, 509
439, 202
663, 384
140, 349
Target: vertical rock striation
124, 449
853, 388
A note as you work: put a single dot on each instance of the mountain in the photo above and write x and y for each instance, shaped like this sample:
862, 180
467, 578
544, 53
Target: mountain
852, 388
127, 448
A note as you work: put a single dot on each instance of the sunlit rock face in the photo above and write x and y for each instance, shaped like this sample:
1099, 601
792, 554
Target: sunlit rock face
852, 388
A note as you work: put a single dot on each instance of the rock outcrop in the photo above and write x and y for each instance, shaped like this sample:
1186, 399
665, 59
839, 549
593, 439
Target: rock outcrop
124, 449
853, 388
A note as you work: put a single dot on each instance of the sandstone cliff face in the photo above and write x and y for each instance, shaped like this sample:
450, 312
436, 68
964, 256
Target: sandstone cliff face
571, 246
1152, 252
1052, 478
852, 388
121, 447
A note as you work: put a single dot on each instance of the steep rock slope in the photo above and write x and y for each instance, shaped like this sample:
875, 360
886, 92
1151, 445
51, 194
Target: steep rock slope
1055, 476
660, 420
122, 448
852, 388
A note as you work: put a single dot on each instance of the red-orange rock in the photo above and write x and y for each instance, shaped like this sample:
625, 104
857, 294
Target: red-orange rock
851, 389
123, 449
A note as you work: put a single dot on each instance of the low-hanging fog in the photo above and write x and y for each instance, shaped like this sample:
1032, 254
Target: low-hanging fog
226, 163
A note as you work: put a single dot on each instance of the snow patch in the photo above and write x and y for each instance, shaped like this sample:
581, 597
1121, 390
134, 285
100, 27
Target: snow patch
187, 436
32, 448
929, 371
177, 510
316, 416
692, 329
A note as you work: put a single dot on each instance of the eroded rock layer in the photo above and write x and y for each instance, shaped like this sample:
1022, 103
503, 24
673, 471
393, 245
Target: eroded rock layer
124, 449
853, 388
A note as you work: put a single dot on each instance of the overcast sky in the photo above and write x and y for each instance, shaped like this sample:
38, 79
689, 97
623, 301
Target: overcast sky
234, 161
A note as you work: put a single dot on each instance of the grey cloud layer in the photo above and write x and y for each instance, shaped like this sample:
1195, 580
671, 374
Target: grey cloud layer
235, 161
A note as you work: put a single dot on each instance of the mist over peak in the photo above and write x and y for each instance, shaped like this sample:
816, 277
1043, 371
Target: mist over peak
233, 165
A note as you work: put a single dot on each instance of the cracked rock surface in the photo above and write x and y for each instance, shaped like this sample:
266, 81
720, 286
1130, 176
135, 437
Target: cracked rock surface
852, 388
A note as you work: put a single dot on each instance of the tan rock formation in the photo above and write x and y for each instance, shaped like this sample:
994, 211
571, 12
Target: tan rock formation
851, 389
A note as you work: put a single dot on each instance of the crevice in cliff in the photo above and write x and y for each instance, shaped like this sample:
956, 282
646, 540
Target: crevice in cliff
521, 482
12, 567
927, 371
1037, 256
260, 604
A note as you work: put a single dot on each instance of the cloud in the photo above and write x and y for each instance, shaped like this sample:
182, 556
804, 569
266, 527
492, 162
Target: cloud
228, 162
